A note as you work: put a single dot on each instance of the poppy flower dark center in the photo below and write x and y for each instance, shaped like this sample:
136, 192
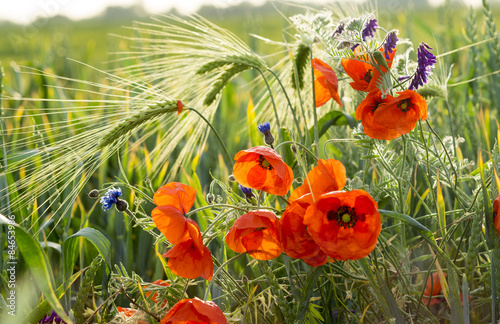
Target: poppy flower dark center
264, 164
368, 76
405, 105
258, 229
376, 103
344, 216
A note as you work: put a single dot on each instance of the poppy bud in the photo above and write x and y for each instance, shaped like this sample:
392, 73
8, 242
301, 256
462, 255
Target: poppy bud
210, 198
293, 148
94, 194
379, 57
121, 205
231, 178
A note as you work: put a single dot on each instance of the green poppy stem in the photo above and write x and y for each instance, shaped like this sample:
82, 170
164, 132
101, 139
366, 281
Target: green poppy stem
229, 160
315, 115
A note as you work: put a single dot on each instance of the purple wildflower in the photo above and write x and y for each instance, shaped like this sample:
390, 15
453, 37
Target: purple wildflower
53, 318
110, 198
339, 30
390, 43
369, 29
426, 61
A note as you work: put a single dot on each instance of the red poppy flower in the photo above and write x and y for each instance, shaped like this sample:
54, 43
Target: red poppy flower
296, 241
363, 72
129, 312
326, 84
190, 260
496, 214
432, 288
328, 175
261, 168
258, 233
174, 200
365, 112
155, 295
402, 112
177, 195
194, 311
345, 225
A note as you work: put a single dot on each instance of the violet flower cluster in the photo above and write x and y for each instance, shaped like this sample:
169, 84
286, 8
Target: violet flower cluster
426, 61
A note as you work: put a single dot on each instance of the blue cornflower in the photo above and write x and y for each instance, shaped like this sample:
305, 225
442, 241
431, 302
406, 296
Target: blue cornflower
246, 191
390, 43
53, 318
369, 29
265, 128
426, 61
110, 198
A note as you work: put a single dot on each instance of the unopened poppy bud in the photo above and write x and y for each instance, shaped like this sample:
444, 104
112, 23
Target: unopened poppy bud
293, 148
210, 198
94, 194
379, 57
147, 181
244, 279
231, 178
265, 128
121, 205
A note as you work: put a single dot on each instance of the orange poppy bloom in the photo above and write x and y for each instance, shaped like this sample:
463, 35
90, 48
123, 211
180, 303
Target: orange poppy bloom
177, 195
173, 224
402, 112
194, 311
363, 72
496, 214
345, 225
432, 288
174, 200
155, 295
129, 312
328, 175
190, 260
261, 168
366, 113
296, 241
258, 233
326, 84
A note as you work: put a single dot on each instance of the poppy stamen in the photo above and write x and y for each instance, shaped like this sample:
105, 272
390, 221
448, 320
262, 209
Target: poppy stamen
368, 76
258, 229
345, 216
264, 164
405, 105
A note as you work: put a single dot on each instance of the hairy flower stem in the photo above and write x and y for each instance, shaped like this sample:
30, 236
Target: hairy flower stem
452, 136
271, 279
221, 267
301, 145
315, 115
289, 103
4, 186
401, 196
229, 160
274, 105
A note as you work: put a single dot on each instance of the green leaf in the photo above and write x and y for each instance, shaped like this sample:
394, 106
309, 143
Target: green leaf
333, 118
71, 248
44, 307
38, 263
